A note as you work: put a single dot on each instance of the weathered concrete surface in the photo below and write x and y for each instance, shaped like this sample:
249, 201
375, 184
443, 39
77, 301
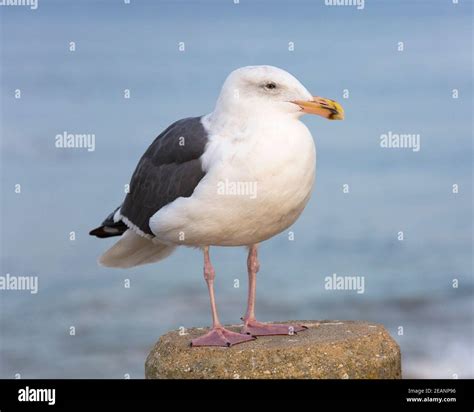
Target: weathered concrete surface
327, 350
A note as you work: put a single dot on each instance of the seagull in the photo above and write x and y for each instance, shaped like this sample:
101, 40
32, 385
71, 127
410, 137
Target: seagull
235, 177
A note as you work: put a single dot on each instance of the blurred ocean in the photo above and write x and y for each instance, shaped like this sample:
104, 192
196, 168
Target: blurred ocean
119, 46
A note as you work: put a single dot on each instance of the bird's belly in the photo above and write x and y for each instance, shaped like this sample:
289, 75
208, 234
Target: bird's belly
237, 204
274, 206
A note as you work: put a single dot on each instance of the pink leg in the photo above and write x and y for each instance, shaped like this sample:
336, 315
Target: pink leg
251, 325
218, 335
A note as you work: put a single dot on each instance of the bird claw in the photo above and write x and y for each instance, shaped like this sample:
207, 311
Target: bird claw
220, 336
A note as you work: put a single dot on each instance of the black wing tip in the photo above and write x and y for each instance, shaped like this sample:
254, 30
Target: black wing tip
109, 227
102, 232
98, 231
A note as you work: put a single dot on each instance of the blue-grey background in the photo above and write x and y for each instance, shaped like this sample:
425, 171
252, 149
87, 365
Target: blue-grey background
135, 46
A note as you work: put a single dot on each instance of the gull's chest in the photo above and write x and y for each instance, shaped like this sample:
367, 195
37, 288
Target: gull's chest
278, 163
266, 178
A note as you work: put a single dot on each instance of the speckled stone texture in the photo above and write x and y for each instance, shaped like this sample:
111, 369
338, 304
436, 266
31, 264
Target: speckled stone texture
327, 350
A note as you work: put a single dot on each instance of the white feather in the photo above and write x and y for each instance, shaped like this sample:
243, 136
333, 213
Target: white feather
133, 250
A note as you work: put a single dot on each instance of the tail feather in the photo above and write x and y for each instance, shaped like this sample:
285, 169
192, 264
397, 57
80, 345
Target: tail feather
134, 250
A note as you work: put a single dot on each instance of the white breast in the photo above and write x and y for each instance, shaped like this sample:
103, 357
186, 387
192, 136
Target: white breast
257, 184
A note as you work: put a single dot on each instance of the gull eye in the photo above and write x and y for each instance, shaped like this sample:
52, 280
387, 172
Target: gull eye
270, 86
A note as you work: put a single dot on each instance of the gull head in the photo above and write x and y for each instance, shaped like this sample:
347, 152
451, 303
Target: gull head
263, 90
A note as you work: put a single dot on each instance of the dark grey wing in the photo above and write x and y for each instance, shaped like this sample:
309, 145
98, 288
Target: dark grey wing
170, 168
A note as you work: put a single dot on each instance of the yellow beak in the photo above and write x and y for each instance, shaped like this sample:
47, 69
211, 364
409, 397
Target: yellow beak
323, 107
